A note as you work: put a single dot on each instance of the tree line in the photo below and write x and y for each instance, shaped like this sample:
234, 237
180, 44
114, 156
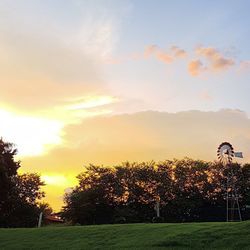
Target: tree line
187, 190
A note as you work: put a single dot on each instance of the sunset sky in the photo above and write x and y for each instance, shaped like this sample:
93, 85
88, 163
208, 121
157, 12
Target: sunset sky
108, 81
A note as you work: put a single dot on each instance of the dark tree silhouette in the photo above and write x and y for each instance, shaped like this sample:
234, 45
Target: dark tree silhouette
187, 190
18, 193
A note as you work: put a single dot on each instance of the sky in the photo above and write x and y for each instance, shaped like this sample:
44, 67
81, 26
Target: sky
108, 81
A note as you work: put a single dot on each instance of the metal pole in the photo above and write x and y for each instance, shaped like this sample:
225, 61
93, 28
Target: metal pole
238, 205
40, 219
227, 200
158, 209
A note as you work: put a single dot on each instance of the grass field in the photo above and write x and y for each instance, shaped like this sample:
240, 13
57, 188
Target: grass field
131, 236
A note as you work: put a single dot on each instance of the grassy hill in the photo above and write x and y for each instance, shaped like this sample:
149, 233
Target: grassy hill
131, 236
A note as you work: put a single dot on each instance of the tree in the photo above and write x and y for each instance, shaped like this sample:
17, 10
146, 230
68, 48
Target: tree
8, 171
91, 202
29, 187
19, 194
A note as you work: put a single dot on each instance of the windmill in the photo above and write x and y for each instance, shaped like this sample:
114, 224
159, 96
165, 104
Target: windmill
225, 155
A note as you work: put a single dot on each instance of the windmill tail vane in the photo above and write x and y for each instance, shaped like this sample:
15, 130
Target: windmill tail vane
238, 154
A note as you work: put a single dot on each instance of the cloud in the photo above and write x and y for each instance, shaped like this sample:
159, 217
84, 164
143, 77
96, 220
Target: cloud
145, 136
165, 56
90, 102
35, 135
155, 51
207, 59
178, 52
195, 67
47, 58
162, 56
46, 76
215, 61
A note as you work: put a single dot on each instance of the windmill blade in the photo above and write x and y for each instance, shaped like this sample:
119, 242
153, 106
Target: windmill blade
225, 152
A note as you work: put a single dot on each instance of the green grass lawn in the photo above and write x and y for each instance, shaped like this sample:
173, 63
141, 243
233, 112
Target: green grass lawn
131, 236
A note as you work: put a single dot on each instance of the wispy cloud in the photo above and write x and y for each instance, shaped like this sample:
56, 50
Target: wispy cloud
89, 102
200, 60
50, 67
155, 51
166, 56
178, 52
46, 58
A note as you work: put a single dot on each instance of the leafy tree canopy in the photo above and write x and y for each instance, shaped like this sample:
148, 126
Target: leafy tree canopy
19, 193
187, 190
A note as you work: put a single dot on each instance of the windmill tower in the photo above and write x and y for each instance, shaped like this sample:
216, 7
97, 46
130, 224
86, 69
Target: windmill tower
225, 155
